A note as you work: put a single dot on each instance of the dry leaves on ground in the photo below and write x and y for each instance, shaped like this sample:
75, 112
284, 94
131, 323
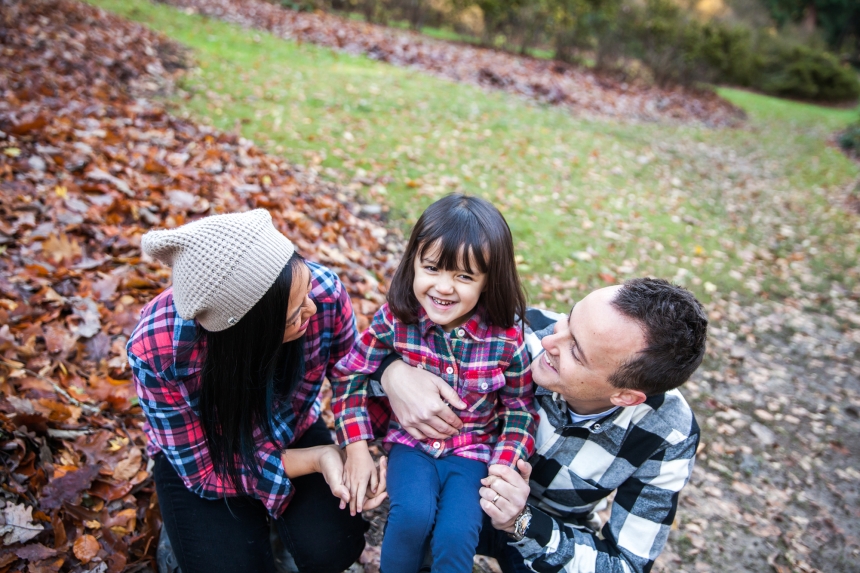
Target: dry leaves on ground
87, 165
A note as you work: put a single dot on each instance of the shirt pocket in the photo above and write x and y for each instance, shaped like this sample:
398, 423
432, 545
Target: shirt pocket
480, 389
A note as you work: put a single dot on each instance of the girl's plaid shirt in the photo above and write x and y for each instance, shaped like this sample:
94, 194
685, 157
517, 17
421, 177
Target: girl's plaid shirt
166, 359
488, 366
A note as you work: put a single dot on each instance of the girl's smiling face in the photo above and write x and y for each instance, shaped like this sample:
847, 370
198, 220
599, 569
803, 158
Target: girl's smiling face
448, 296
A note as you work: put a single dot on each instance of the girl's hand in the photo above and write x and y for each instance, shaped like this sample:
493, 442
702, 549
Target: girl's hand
375, 499
359, 471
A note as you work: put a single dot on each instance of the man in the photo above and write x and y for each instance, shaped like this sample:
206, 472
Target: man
611, 418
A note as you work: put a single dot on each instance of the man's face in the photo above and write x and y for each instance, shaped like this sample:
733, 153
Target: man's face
585, 350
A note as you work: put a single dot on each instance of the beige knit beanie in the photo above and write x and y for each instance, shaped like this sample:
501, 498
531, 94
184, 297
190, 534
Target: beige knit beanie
222, 265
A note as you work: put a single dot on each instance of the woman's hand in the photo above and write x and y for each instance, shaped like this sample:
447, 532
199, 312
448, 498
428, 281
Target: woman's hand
327, 460
330, 464
420, 400
359, 472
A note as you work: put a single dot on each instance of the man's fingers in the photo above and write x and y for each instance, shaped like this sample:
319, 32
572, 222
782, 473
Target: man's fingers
496, 515
525, 469
504, 490
502, 512
415, 433
437, 429
449, 395
496, 498
507, 473
508, 483
446, 421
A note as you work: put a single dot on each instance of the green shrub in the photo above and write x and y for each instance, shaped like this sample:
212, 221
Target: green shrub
658, 35
682, 50
849, 140
729, 51
800, 71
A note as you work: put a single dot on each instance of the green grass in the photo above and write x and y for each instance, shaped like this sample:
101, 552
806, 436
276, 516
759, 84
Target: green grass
758, 208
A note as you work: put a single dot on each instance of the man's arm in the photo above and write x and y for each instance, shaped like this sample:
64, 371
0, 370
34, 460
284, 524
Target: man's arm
637, 530
420, 400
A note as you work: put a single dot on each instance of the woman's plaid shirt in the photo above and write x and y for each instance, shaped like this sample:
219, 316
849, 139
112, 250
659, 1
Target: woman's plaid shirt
165, 358
488, 366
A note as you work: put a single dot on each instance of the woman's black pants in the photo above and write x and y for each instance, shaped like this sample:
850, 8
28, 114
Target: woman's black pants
232, 535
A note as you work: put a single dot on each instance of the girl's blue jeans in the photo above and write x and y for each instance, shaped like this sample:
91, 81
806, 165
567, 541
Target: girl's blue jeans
437, 496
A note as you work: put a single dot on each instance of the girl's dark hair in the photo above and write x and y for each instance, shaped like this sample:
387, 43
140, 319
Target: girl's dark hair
466, 229
246, 369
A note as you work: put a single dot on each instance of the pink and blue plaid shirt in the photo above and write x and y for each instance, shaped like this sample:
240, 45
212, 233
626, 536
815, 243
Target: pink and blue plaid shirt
166, 359
488, 366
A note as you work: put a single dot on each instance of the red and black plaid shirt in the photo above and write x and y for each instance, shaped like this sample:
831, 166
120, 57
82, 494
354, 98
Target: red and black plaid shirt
487, 365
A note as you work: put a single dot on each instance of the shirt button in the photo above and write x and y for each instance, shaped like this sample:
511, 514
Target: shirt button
450, 370
484, 385
595, 427
437, 445
461, 332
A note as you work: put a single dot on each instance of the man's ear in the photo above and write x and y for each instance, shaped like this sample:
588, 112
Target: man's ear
627, 397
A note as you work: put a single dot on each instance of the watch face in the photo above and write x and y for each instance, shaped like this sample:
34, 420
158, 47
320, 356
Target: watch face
522, 523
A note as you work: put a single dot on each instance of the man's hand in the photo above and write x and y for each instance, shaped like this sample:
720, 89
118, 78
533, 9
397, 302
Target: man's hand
359, 472
420, 401
510, 490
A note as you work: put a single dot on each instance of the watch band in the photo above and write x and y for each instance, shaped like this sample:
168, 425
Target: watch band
521, 524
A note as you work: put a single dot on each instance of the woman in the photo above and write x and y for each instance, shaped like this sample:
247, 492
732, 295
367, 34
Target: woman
228, 365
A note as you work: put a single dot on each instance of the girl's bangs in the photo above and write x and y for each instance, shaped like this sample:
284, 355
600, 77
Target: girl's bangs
456, 246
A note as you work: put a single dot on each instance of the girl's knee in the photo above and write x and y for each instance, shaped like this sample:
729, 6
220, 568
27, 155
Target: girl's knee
411, 521
450, 534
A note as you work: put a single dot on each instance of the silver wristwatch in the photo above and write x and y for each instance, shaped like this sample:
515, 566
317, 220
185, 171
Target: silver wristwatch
521, 524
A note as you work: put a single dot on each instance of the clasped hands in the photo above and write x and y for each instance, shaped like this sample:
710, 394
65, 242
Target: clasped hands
422, 403
329, 461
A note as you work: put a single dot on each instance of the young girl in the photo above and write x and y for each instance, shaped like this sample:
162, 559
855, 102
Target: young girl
451, 310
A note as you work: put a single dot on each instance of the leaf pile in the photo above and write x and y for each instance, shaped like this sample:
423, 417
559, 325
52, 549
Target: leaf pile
87, 165
546, 81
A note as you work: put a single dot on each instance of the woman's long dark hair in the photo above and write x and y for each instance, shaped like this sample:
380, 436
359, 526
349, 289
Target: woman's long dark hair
246, 368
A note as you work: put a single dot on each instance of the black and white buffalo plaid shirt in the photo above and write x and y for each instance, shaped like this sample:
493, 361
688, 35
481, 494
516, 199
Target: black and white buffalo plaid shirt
645, 452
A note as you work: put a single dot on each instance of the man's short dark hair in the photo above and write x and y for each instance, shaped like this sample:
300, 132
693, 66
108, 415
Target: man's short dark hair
675, 327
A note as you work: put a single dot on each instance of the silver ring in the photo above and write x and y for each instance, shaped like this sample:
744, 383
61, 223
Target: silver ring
495, 499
